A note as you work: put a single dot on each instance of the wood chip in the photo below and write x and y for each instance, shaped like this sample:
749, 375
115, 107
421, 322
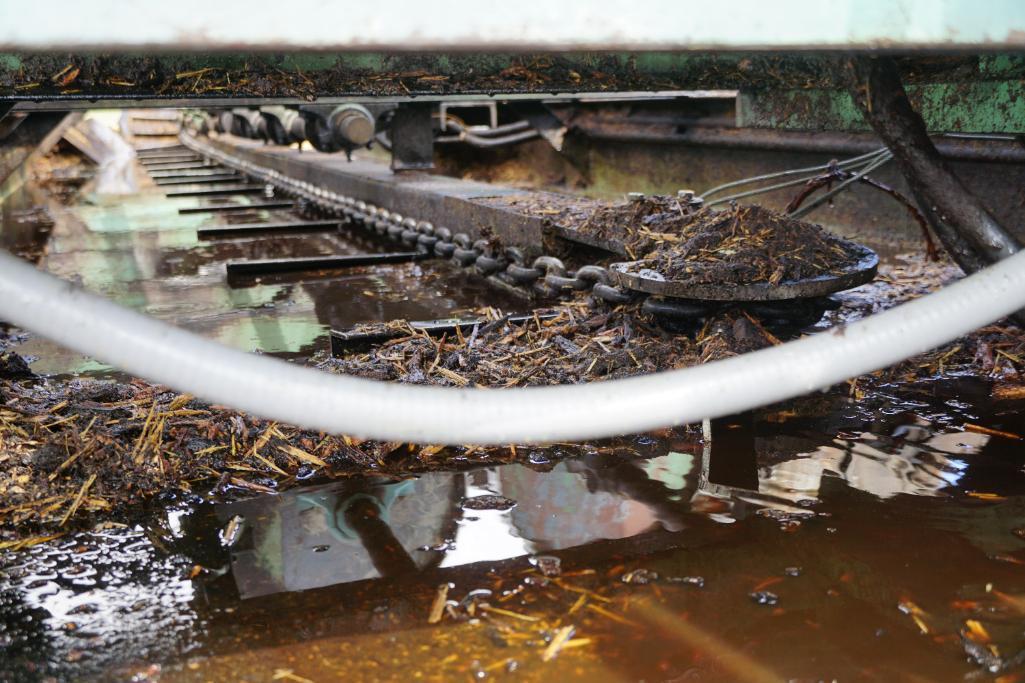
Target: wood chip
979, 429
558, 641
438, 606
78, 499
302, 455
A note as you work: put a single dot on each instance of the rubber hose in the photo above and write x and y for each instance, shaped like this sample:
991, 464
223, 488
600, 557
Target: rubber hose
273, 389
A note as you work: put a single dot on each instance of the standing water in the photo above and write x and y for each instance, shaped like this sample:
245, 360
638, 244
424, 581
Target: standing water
825, 540
873, 533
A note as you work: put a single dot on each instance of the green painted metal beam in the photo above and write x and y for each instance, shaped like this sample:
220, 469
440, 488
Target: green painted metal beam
967, 93
979, 107
80, 79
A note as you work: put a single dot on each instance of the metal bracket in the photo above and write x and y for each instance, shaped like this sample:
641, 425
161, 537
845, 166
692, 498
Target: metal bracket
412, 137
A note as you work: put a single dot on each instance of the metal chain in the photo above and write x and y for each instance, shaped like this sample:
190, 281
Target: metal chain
546, 275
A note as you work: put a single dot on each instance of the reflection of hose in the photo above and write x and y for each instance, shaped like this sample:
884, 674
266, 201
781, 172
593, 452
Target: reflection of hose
365, 516
316, 400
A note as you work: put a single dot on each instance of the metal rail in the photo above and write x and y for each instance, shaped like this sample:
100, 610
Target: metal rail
216, 191
546, 274
254, 268
255, 206
244, 229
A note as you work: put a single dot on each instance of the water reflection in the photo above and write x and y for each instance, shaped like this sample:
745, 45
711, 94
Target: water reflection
90, 600
352, 531
884, 467
140, 252
323, 565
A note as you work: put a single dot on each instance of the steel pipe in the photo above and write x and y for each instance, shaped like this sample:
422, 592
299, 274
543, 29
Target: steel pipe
485, 143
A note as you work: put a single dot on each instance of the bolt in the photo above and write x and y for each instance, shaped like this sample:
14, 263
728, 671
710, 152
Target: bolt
689, 198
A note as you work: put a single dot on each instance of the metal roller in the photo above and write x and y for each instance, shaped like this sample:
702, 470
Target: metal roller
295, 124
225, 121
318, 132
284, 126
343, 128
248, 123
352, 125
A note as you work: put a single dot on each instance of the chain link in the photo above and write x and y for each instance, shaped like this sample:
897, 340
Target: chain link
546, 274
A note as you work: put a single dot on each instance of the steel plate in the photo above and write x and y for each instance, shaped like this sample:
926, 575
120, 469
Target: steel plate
573, 235
632, 276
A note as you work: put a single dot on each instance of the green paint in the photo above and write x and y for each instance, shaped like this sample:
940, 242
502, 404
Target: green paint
272, 333
316, 61
1002, 65
980, 107
291, 76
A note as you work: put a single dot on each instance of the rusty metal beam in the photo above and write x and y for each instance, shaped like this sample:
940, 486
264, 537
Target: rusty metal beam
788, 141
475, 208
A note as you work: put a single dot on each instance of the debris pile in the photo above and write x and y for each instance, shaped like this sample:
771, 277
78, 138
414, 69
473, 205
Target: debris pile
576, 345
634, 227
568, 344
68, 449
744, 245
739, 245
640, 225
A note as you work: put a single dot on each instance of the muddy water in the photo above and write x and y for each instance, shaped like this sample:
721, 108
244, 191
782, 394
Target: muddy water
827, 538
824, 539
140, 252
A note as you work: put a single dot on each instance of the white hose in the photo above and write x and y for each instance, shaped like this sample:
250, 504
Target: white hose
277, 390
